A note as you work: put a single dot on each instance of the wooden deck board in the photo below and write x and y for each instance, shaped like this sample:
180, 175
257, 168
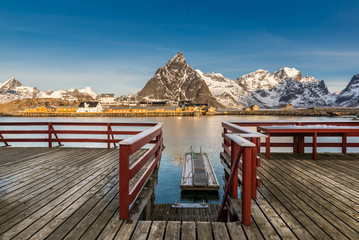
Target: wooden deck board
50, 194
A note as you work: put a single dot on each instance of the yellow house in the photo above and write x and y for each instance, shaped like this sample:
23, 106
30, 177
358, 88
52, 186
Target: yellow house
66, 109
139, 109
42, 109
189, 109
248, 109
255, 108
156, 109
119, 110
209, 109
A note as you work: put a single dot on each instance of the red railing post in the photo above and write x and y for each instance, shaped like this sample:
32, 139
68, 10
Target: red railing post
268, 146
50, 134
234, 185
159, 150
344, 143
246, 186
108, 136
124, 181
254, 169
315, 146
300, 143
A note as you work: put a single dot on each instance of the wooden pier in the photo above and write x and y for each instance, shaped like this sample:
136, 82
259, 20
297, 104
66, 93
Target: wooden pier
72, 193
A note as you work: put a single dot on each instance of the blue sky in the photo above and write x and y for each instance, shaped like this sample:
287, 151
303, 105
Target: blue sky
117, 46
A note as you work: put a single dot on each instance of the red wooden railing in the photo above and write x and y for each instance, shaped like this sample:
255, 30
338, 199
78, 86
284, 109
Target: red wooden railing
241, 145
298, 143
128, 147
51, 135
151, 137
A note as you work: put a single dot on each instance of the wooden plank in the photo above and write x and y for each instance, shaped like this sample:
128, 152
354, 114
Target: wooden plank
299, 209
157, 230
58, 215
319, 195
322, 181
235, 231
155, 212
48, 193
101, 221
204, 230
173, 230
44, 203
277, 221
112, 227
73, 193
220, 231
263, 224
252, 231
188, 231
126, 230
142, 230
312, 202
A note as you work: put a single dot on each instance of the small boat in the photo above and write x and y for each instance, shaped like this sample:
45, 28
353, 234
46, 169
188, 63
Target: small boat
198, 173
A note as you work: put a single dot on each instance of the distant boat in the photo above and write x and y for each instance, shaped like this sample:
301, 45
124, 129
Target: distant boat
198, 173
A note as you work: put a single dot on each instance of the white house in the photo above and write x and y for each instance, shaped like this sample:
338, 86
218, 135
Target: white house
107, 99
90, 107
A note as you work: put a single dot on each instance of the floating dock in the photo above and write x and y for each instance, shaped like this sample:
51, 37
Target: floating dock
198, 173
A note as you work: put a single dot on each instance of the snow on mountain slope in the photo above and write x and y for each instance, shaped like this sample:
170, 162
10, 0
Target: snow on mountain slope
349, 97
298, 93
225, 90
12, 89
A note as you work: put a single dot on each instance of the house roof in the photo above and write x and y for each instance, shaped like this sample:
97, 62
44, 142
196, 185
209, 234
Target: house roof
107, 95
66, 106
90, 104
118, 108
154, 108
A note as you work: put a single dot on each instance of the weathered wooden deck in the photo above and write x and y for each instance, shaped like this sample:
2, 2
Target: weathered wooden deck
72, 193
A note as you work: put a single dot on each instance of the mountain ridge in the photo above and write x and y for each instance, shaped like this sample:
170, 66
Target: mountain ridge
285, 86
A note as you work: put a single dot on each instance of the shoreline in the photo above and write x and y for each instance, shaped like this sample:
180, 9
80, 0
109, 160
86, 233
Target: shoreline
324, 112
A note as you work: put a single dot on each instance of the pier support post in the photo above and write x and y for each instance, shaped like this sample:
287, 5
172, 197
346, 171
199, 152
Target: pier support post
344, 143
124, 181
268, 146
301, 143
234, 187
246, 187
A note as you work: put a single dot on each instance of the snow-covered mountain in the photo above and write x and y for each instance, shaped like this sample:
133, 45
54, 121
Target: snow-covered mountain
178, 81
350, 95
283, 87
12, 89
225, 90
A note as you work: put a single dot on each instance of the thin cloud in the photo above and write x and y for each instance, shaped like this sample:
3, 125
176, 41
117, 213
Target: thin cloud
328, 53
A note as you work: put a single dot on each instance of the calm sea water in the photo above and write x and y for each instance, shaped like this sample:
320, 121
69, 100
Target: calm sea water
179, 134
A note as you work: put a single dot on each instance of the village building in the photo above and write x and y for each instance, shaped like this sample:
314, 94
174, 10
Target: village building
170, 109
209, 109
155, 109
119, 110
69, 98
129, 101
66, 109
43, 109
158, 103
90, 107
107, 99
254, 107
138, 109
